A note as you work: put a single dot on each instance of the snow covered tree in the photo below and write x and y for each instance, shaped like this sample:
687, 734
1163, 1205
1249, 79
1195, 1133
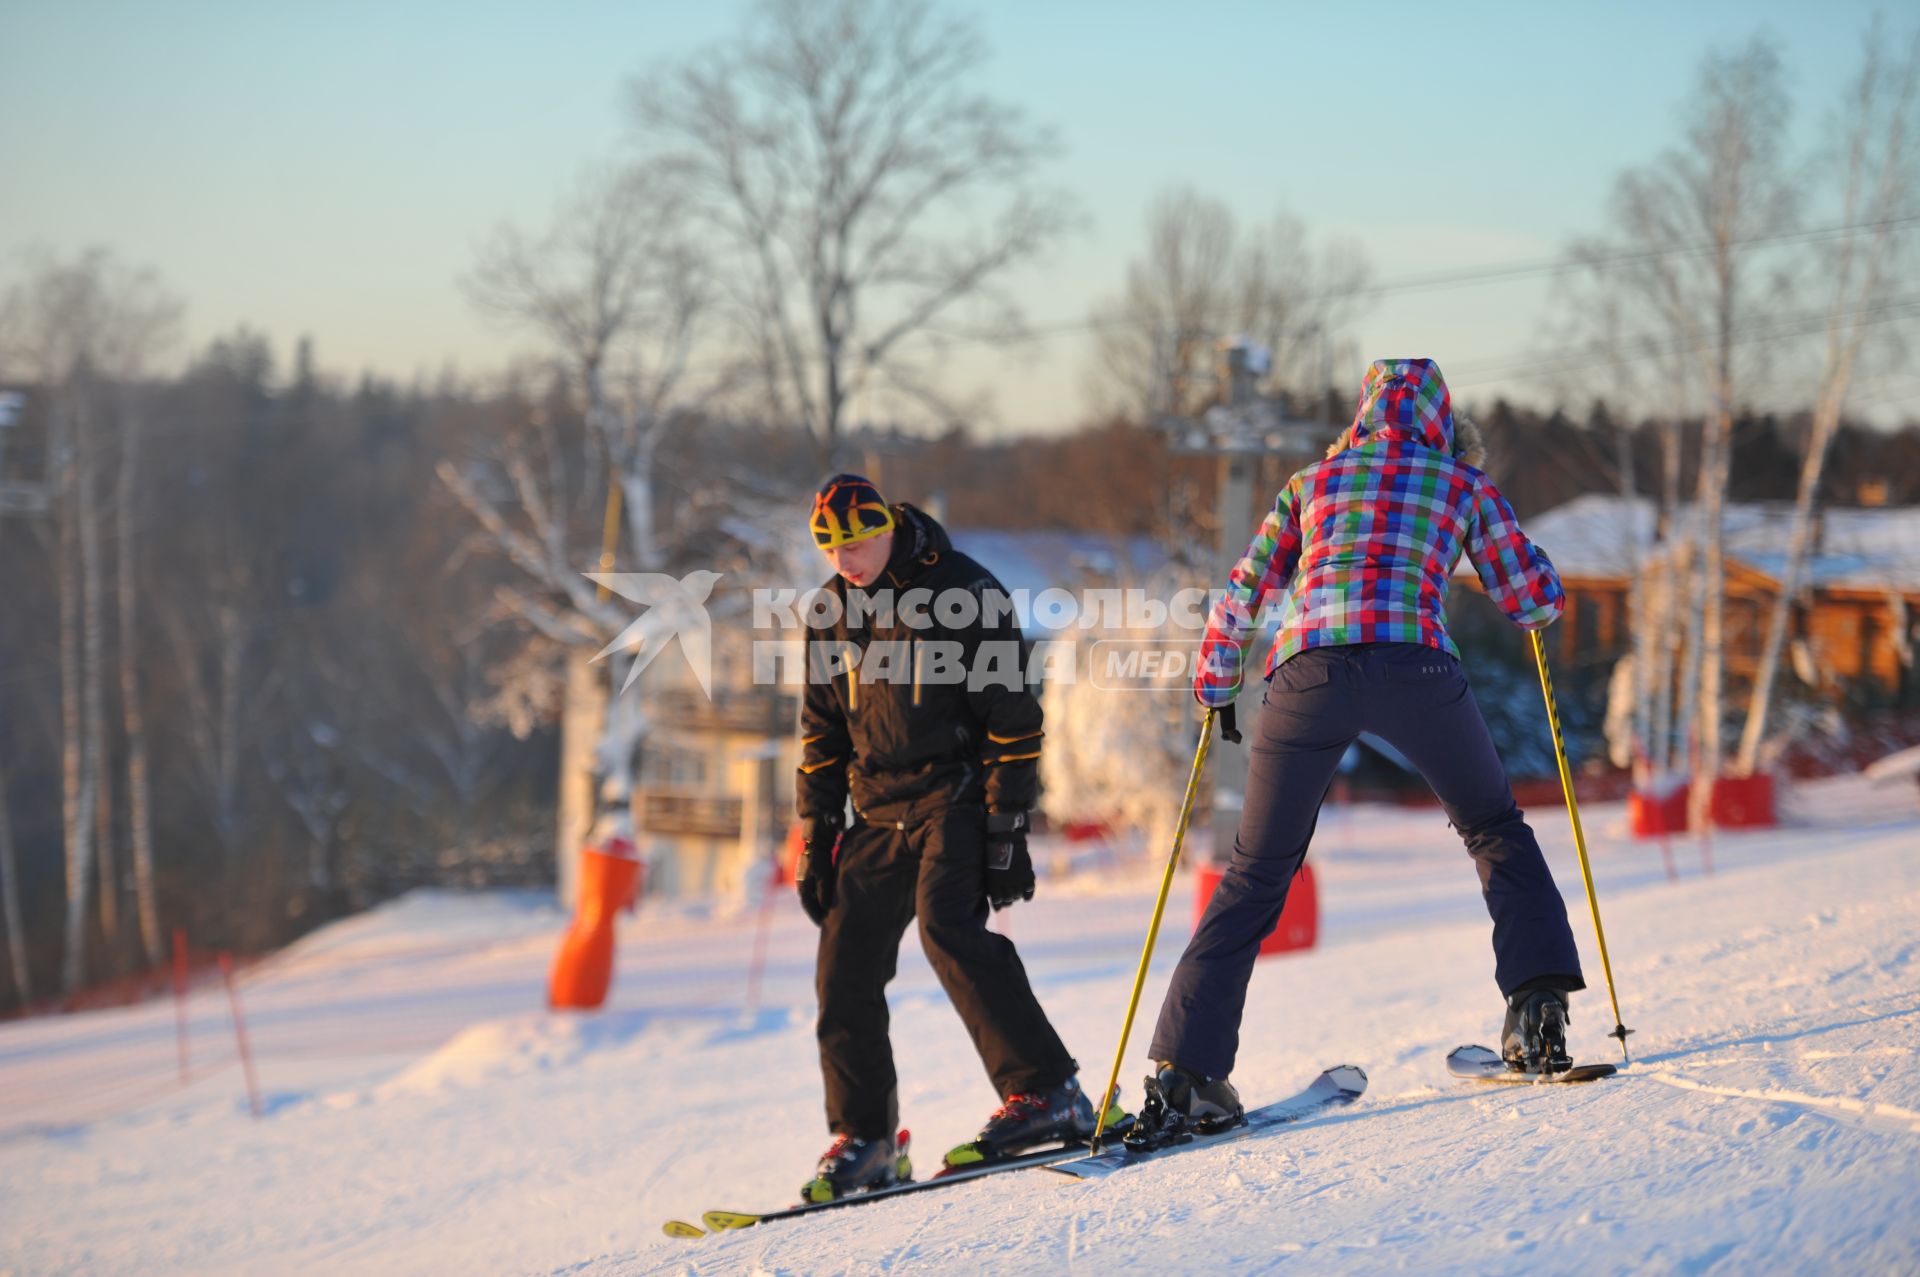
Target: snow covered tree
617, 294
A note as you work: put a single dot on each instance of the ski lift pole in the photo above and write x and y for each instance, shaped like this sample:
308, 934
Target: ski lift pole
1228, 730
1620, 1030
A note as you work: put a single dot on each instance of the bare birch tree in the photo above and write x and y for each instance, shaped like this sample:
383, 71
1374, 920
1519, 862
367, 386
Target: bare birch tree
615, 291
1689, 229
864, 192
132, 708
1201, 279
84, 331
1876, 154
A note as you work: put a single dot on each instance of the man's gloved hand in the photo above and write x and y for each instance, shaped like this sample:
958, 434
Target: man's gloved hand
1009, 868
813, 879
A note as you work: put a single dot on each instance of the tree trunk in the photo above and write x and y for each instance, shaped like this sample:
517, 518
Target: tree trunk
93, 675
139, 809
1671, 630
1716, 464
109, 901
1689, 586
1799, 550
636, 482
10, 902
227, 786
1713, 585
1636, 600
77, 779
581, 722
1844, 340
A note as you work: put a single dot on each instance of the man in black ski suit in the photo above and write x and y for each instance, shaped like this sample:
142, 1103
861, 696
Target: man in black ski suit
917, 709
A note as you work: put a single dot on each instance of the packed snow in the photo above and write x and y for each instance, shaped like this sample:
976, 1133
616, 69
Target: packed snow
423, 1113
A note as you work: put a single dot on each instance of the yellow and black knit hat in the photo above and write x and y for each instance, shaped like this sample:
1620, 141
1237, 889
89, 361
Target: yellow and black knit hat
848, 508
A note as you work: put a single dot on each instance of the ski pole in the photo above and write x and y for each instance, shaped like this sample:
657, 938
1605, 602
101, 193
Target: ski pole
1620, 1030
1160, 905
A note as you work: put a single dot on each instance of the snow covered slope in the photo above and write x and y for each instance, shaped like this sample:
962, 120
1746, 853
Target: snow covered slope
425, 1115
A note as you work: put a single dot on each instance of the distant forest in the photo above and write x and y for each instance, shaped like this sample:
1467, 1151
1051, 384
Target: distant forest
336, 706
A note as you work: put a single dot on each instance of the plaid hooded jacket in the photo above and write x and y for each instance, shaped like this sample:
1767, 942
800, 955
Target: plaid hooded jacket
1364, 542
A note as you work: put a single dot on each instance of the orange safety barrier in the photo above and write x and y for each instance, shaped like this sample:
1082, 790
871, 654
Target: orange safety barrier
610, 878
787, 870
1299, 925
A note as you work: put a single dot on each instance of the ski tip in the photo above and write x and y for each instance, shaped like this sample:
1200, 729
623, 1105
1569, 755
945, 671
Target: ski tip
679, 1228
722, 1220
1079, 1170
1348, 1077
1472, 1055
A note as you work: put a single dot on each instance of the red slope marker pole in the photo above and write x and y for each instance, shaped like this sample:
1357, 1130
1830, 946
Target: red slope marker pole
769, 889
240, 1032
180, 997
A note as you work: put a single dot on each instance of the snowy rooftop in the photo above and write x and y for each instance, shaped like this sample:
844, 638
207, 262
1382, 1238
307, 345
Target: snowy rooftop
1874, 549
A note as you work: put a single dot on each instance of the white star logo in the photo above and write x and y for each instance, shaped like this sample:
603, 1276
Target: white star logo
675, 607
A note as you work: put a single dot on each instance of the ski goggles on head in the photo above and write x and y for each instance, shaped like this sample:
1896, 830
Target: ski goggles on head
848, 508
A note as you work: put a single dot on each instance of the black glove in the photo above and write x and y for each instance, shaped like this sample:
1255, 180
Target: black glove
813, 879
1009, 868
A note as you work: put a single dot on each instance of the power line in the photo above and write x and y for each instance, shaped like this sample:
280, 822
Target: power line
1772, 328
1469, 277
1482, 275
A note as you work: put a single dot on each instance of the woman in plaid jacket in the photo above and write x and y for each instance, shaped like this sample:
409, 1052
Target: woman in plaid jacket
1357, 552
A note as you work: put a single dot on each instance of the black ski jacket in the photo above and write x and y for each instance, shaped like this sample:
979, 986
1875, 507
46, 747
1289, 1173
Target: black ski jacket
890, 730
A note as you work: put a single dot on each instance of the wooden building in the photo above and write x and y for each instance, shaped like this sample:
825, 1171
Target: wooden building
1854, 625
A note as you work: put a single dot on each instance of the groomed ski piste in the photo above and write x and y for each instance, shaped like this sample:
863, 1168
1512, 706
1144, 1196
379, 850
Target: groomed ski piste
424, 1114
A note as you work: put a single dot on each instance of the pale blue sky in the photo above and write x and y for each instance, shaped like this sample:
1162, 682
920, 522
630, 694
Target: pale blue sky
329, 168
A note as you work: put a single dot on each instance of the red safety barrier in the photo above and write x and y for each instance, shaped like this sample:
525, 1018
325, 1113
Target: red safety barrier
610, 876
1651, 814
1299, 925
1744, 802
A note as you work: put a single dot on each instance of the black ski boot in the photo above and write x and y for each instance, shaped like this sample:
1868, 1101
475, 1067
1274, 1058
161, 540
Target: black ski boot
858, 1166
1030, 1121
1181, 1104
1027, 1122
1534, 1039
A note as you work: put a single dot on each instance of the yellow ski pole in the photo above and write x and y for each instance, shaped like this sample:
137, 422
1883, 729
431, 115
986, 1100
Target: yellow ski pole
1159, 908
1620, 1030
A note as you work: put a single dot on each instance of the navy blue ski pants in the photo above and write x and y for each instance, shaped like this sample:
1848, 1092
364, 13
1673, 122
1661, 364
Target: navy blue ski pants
1416, 699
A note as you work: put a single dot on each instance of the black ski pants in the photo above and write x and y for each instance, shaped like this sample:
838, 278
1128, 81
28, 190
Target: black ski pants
934, 869
1416, 699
